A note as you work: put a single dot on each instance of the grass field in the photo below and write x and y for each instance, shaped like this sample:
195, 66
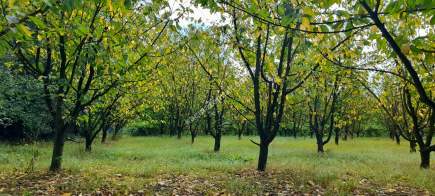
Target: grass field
145, 165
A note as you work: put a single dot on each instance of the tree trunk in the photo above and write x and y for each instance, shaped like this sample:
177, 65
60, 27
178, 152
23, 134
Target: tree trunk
262, 159
59, 141
295, 133
425, 159
193, 135
88, 144
104, 137
115, 133
217, 142
178, 132
397, 137
319, 140
337, 135
346, 132
412, 146
208, 124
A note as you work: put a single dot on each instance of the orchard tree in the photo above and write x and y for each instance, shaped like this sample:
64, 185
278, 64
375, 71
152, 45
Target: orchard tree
74, 48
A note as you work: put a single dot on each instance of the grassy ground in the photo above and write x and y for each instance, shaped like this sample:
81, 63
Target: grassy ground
144, 165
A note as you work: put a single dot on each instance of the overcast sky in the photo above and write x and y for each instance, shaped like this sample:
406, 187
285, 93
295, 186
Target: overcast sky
205, 15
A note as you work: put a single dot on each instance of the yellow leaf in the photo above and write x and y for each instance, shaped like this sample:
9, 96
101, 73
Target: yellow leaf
305, 25
11, 3
308, 11
406, 48
374, 29
109, 3
24, 30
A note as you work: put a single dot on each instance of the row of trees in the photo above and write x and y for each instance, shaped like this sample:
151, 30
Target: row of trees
87, 56
348, 34
332, 67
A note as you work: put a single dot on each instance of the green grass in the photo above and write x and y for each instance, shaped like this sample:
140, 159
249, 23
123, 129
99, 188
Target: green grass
379, 160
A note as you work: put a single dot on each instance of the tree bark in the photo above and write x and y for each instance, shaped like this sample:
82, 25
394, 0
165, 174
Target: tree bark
178, 132
425, 159
88, 144
337, 135
217, 143
319, 139
59, 141
412, 145
262, 158
193, 135
104, 137
295, 133
397, 137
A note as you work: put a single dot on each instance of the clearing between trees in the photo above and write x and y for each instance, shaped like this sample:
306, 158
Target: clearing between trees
165, 165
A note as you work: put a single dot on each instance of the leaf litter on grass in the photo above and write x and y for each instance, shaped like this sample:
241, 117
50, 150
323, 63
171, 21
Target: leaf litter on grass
243, 182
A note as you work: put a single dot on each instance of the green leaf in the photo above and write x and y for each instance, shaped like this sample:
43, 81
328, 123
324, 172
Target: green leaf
324, 28
308, 11
281, 10
127, 4
38, 22
286, 20
69, 4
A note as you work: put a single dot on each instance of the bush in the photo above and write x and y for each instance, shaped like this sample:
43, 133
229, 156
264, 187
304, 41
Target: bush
373, 132
23, 113
143, 128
